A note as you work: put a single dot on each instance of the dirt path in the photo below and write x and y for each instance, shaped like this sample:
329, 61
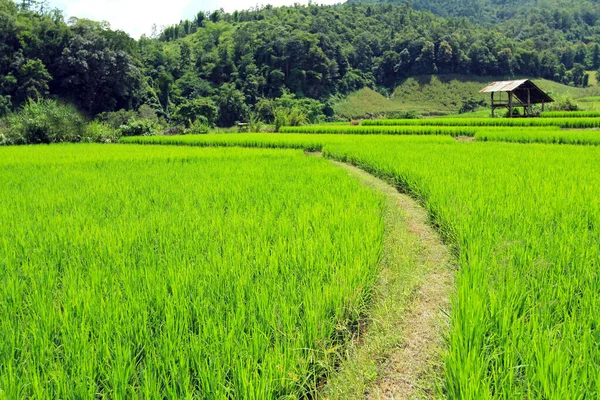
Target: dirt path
399, 356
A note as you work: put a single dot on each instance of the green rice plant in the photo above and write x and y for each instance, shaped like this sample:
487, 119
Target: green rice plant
178, 272
381, 130
560, 122
570, 114
523, 221
540, 135
281, 140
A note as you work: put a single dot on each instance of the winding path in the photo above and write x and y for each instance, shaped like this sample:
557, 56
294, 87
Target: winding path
399, 356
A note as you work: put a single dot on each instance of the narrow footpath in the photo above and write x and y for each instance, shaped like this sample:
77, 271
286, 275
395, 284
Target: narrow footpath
399, 353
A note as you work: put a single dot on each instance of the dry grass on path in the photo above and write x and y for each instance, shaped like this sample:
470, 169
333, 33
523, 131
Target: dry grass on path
399, 354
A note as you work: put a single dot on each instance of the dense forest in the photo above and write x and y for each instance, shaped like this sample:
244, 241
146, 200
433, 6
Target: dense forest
229, 67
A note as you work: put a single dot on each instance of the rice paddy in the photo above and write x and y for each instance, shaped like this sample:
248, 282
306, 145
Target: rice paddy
190, 267
178, 272
522, 220
565, 122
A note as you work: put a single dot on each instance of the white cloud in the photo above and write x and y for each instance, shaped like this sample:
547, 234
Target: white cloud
136, 17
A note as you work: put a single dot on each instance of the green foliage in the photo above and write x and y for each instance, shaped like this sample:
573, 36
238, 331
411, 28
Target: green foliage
139, 127
301, 110
232, 106
563, 103
99, 132
255, 123
44, 121
116, 119
5, 104
269, 53
200, 125
471, 105
188, 112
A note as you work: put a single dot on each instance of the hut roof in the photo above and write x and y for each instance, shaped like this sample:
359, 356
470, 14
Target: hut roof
519, 88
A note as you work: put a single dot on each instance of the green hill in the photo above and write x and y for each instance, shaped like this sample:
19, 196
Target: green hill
441, 94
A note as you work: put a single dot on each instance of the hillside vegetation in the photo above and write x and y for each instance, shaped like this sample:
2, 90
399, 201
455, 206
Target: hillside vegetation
222, 68
443, 94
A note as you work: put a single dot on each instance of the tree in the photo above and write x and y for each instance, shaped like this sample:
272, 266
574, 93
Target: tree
578, 72
95, 76
188, 112
33, 78
232, 105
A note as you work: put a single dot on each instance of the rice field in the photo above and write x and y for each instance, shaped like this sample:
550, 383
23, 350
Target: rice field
565, 122
178, 272
536, 135
522, 220
570, 114
234, 266
366, 129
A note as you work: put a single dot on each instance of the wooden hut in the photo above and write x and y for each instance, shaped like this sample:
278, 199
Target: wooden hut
521, 93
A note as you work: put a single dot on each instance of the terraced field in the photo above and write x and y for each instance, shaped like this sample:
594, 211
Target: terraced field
522, 220
189, 266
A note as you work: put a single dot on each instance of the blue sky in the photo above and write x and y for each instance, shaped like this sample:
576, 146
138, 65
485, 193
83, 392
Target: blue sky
137, 16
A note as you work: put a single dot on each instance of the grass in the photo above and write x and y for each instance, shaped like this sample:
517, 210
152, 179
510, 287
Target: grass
563, 122
364, 102
523, 222
570, 114
381, 130
405, 322
440, 95
178, 272
534, 135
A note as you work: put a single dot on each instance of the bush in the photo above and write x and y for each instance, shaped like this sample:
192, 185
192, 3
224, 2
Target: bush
563, 103
139, 127
116, 119
254, 123
200, 108
100, 132
5, 104
470, 105
199, 126
44, 121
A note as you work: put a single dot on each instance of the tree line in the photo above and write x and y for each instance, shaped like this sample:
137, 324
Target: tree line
234, 66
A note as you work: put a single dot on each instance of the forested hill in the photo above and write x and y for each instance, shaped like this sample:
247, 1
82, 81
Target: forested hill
561, 14
235, 62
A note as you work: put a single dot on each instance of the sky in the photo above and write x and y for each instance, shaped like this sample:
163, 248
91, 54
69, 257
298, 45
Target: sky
136, 17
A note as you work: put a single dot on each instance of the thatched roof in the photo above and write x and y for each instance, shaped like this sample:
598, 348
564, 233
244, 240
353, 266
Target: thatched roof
519, 88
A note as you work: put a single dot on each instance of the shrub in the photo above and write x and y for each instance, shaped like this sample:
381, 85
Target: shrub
470, 105
116, 119
192, 110
563, 103
254, 123
200, 125
139, 127
100, 132
44, 121
5, 104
